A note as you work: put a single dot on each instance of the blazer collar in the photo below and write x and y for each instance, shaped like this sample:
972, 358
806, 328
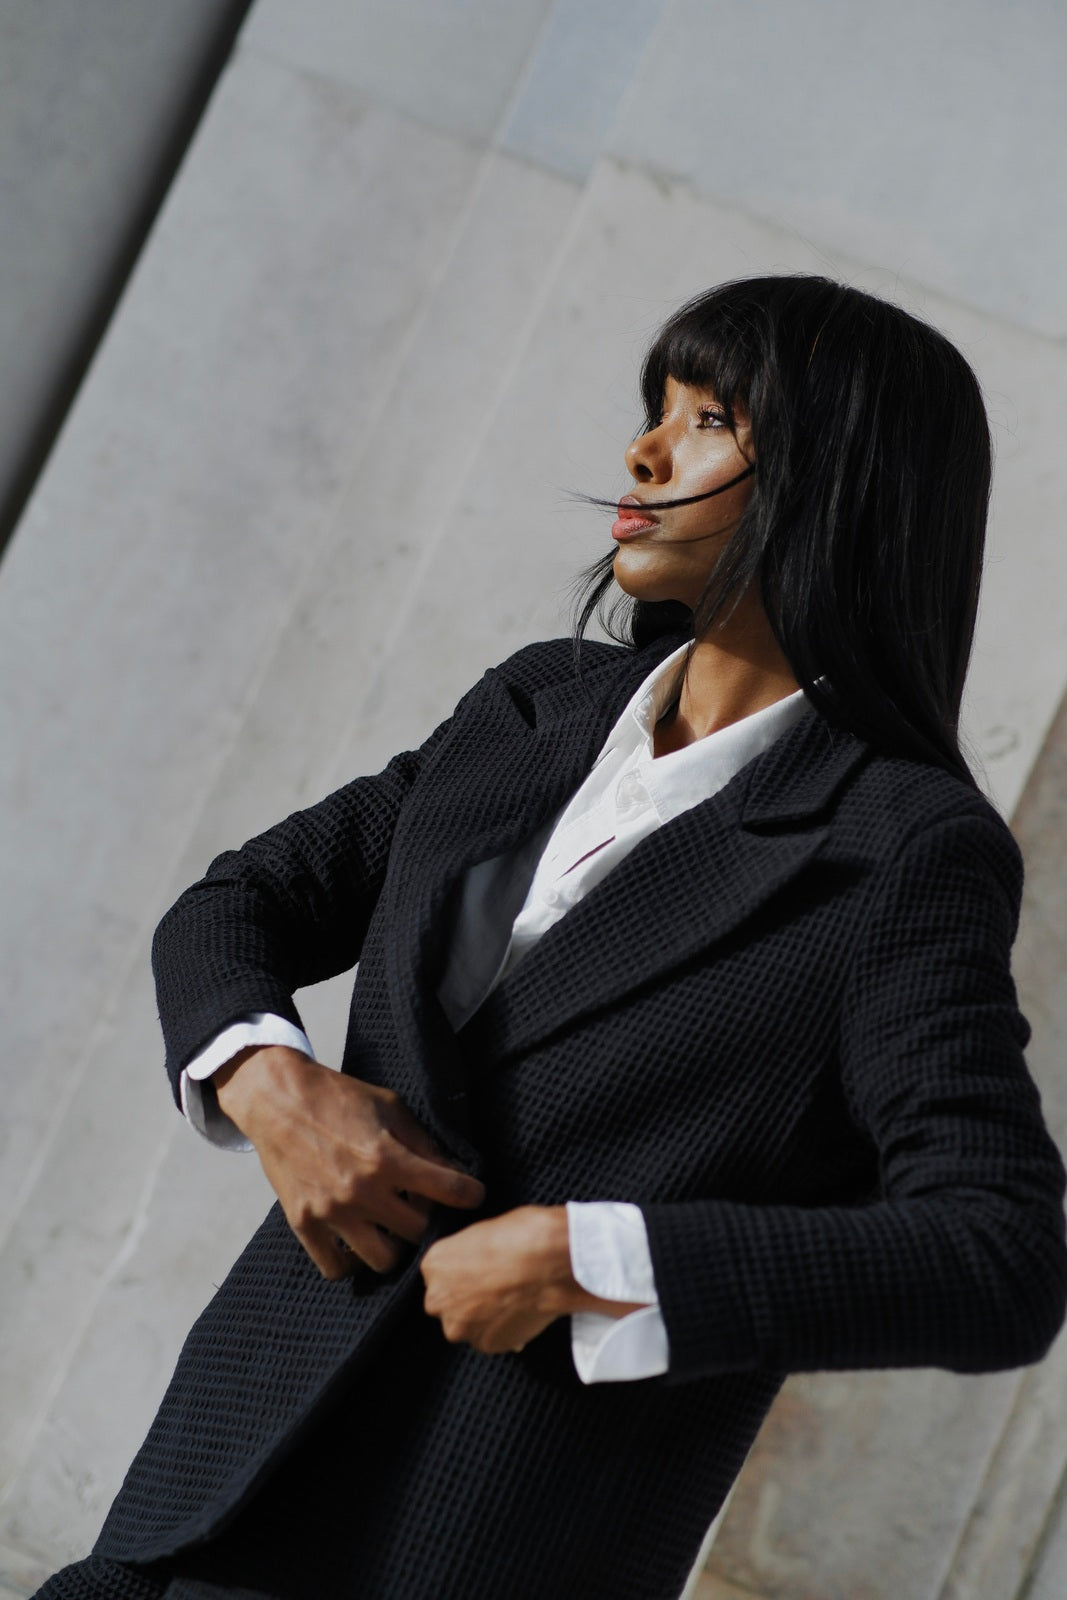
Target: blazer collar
800, 776
797, 778
683, 889
515, 759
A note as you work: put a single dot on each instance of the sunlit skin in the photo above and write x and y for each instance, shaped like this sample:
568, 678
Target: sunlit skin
356, 1174
739, 667
689, 451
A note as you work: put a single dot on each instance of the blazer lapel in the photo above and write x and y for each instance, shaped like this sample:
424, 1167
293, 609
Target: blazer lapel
682, 890
510, 765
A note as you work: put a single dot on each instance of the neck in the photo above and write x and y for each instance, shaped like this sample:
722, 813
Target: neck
735, 670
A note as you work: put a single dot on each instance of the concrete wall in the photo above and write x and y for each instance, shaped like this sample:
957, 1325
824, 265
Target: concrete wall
389, 314
97, 102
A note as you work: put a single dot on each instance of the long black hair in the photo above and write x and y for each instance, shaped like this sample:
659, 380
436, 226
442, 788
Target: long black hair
866, 525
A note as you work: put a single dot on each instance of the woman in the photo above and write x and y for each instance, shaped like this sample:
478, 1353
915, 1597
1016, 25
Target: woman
684, 1051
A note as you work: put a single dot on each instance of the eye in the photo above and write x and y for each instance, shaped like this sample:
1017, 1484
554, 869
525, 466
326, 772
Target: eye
711, 416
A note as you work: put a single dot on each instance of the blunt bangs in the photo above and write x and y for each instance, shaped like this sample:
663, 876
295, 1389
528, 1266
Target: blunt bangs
704, 346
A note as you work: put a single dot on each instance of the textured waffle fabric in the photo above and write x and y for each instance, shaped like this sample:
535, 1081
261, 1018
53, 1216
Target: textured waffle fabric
785, 1026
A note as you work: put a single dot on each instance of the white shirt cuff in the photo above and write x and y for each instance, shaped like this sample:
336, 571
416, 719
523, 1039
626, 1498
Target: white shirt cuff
611, 1259
202, 1109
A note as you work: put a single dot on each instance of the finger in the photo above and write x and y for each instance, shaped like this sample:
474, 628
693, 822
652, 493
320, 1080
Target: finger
407, 1128
373, 1247
396, 1213
436, 1180
408, 1131
417, 1202
329, 1252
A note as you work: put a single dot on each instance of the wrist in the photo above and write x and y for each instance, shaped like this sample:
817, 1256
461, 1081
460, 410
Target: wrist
557, 1284
252, 1079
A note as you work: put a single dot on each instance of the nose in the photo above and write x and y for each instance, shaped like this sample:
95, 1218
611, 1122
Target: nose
648, 459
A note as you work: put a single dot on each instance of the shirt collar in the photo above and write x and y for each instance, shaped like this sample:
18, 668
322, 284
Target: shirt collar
699, 770
647, 704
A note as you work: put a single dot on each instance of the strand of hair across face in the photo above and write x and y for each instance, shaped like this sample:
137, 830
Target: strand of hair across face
665, 505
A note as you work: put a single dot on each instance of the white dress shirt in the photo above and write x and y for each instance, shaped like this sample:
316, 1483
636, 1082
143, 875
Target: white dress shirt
627, 795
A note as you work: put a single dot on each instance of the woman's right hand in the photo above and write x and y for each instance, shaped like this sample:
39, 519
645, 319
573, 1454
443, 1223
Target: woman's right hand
350, 1164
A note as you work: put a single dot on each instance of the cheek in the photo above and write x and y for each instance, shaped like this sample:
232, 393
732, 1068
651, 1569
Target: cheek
711, 524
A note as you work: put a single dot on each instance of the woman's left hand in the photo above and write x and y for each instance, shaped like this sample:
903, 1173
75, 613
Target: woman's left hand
499, 1283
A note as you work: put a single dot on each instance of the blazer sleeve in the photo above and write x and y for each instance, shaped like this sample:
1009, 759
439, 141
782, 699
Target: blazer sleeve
287, 909
959, 1260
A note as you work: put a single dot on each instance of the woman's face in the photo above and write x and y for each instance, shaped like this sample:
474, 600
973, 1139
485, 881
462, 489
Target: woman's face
670, 554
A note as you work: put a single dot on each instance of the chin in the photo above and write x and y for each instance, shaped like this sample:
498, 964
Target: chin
641, 581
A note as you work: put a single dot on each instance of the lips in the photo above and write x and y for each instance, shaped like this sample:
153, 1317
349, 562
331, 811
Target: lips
631, 519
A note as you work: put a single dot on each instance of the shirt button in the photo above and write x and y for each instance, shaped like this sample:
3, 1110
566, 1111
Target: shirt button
630, 792
553, 898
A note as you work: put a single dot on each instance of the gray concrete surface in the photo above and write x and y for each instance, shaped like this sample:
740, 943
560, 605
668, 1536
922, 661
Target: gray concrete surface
97, 99
927, 137
317, 479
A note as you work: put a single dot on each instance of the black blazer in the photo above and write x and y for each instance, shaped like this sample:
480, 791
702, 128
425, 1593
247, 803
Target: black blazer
785, 1026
